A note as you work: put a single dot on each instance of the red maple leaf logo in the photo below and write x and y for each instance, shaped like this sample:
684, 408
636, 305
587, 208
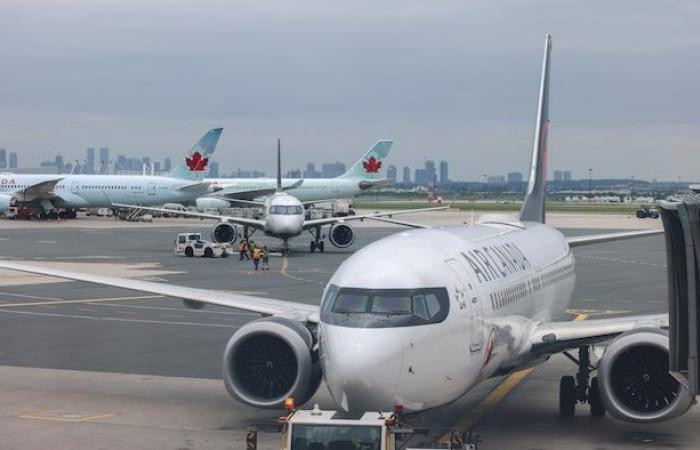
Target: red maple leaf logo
372, 165
196, 163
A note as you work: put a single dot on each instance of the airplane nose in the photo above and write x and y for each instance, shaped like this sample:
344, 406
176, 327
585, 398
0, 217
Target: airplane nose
362, 367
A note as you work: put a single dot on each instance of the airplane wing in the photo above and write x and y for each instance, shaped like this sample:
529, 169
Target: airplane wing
202, 186
332, 220
576, 241
38, 190
399, 222
258, 224
261, 305
229, 194
554, 337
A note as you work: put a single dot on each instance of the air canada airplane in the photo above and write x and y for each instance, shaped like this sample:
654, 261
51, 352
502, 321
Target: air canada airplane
285, 219
184, 183
424, 327
365, 174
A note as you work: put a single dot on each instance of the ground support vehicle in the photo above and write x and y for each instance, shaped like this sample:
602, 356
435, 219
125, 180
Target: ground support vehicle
192, 244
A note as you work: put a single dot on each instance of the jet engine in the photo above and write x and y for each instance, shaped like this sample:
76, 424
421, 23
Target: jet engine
269, 360
635, 382
5, 202
204, 203
341, 235
224, 233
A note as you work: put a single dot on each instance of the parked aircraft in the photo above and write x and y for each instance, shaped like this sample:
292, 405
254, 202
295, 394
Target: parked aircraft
424, 326
364, 175
284, 219
184, 183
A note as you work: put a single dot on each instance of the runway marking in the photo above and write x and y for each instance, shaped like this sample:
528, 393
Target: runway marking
46, 242
61, 415
620, 260
494, 398
285, 273
165, 308
78, 301
118, 319
36, 297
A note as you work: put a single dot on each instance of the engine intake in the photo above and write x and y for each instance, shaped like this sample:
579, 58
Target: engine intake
636, 385
224, 233
341, 235
269, 360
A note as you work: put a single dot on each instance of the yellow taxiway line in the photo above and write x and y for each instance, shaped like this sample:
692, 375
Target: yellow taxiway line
494, 398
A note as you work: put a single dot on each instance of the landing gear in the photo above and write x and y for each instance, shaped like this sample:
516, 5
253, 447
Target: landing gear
317, 243
285, 247
578, 390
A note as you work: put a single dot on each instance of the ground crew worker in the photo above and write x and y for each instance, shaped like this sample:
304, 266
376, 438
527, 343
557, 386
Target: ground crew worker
266, 257
257, 254
243, 250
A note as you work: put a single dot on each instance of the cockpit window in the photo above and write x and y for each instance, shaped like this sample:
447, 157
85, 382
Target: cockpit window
384, 308
285, 210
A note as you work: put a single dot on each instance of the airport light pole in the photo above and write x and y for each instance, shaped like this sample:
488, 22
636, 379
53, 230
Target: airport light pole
590, 183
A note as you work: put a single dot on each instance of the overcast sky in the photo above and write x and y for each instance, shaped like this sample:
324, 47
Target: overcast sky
454, 80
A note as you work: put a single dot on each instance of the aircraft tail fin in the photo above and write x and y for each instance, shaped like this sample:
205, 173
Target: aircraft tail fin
196, 164
534, 205
279, 166
370, 166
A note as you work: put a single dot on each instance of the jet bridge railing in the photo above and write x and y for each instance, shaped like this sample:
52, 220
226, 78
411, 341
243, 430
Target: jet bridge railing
681, 220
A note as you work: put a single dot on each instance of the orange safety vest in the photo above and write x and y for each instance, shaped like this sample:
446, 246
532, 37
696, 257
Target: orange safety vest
256, 253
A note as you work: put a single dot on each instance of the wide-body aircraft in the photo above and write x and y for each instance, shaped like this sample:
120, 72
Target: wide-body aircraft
402, 322
365, 174
183, 184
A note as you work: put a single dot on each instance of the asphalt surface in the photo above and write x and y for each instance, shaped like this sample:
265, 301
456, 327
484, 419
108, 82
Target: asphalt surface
131, 334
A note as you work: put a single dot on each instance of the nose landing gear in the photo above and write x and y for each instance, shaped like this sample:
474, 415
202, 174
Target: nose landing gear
579, 390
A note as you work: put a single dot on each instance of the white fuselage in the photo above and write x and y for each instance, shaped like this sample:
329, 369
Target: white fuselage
500, 279
98, 191
311, 189
284, 216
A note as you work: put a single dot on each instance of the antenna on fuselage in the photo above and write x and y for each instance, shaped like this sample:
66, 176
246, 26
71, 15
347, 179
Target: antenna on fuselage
279, 166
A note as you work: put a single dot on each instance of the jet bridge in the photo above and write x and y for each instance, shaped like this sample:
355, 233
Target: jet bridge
681, 220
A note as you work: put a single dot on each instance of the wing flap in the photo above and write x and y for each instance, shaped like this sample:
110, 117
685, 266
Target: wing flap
261, 305
43, 190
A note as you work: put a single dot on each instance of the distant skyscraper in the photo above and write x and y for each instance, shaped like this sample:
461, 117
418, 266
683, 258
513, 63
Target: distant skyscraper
90, 161
406, 175
156, 167
213, 170
567, 175
60, 167
167, 165
13, 160
391, 174
295, 173
420, 177
515, 177
558, 175
3, 159
430, 172
443, 173
310, 171
496, 179
104, 159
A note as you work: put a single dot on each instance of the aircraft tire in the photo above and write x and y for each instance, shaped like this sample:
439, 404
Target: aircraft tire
567, 396
189, 252
320, 246
312, 246
594, 399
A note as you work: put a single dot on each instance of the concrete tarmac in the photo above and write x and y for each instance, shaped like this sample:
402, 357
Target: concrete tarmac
86, 366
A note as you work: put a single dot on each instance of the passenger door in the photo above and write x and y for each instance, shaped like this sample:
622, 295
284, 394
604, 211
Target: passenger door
151, 189
468, 298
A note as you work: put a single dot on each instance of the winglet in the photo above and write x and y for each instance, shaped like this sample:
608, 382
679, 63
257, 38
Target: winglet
534, 205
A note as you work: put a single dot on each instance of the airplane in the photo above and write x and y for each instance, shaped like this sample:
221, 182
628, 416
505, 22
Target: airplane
364, 175
48, 193
284, 219
425, 326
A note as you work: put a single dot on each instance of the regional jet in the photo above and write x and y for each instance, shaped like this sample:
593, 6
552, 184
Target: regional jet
48, 193
425, 326
285, 219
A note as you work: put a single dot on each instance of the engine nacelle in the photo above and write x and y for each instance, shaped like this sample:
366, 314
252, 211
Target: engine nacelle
269, 360
5, 202
211, 203
341, 235
635, 382
224, 233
